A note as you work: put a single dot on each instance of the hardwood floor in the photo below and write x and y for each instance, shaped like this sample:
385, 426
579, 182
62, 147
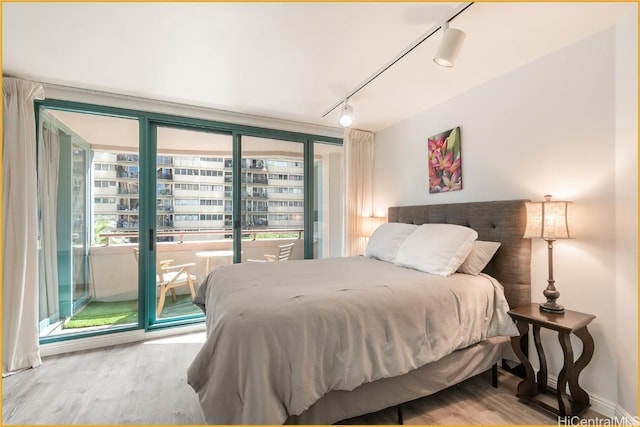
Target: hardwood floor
145, 383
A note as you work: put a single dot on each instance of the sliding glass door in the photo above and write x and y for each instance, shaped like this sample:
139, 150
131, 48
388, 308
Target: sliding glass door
88, 222
193, 215
80, 192
272, 206
137, 208
63, 189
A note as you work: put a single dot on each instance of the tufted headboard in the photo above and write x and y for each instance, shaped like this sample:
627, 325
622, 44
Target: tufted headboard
497, 221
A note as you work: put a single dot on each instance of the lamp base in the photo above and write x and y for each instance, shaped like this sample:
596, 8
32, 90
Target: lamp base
552, 307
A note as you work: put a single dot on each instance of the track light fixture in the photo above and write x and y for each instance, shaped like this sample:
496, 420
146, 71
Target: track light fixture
450, 46
446, 56
346, 114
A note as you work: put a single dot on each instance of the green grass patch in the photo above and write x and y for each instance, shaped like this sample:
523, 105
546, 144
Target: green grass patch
98, 313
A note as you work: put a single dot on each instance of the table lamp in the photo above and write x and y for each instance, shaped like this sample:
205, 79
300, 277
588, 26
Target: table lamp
369, 225
548, 220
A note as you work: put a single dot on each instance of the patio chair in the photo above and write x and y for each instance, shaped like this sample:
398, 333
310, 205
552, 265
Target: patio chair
284, 252
169, 277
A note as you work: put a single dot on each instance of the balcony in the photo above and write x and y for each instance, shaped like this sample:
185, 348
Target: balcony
127, 191
254, 180
129, 175
119, 284
129, 225
118, 288
127, 158
128, 208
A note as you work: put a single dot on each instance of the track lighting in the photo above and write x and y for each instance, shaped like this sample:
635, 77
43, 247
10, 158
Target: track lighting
346, 114
450, 46
448, 51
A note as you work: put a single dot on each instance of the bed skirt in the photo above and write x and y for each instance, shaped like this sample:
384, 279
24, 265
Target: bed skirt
429, 379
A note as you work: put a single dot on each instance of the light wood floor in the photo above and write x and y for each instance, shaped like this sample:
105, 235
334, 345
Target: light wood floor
145, 383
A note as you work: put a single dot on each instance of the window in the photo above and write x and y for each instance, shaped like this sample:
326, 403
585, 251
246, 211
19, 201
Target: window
286, 190
105, 200
187, 187
211, 187
104, 167
212, 159
286, 203
206, 172
211, 202
186, 202
186, 171
180, 217
210, 217
164, 160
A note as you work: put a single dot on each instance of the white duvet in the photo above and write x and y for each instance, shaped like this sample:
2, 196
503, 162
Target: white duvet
281, 335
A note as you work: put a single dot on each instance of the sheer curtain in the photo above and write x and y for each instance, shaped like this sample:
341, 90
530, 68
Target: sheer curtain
358, 166
48, 164
20, 348
336, 204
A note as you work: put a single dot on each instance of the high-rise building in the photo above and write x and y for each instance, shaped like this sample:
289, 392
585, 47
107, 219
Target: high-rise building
195, 193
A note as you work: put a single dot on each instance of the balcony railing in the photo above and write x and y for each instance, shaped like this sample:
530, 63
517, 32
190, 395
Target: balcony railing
124, 174
127, 157
121, 283
181, 234
127, 208
127, 224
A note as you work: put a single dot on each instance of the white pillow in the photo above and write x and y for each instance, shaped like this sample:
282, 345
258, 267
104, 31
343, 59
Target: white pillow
481, 254
386, 239
436, 248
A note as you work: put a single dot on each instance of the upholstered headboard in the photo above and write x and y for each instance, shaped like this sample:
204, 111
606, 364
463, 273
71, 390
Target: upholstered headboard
497, 221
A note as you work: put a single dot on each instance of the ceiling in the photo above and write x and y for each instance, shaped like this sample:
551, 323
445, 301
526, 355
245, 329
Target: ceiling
291, 61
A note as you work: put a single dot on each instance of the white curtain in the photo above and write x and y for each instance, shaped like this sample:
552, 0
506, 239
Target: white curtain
358, 166
48, 164
336, 205
20, 348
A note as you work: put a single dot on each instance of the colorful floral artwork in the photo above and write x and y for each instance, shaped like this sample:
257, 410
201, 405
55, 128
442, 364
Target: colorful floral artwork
445, 173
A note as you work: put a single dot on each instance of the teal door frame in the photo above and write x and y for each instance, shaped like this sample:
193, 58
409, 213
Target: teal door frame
148, 123
64, 223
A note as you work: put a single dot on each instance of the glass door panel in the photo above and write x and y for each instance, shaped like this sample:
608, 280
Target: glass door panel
88, 184
272, 199
81, 160
193, 214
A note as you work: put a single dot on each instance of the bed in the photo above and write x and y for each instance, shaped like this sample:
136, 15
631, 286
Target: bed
319, 341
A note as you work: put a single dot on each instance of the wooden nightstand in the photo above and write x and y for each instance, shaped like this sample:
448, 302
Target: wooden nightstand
565, 324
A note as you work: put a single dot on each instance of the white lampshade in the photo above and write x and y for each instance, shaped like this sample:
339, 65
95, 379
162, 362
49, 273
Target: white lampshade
547, 220
449, 47
369, 225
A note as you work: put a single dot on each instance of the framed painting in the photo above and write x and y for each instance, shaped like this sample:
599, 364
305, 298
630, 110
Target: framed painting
445, 161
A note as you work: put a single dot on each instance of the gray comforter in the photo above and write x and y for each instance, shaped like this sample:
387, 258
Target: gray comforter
281, 335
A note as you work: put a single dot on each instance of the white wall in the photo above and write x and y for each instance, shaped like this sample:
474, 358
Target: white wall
548, 127
626, 166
